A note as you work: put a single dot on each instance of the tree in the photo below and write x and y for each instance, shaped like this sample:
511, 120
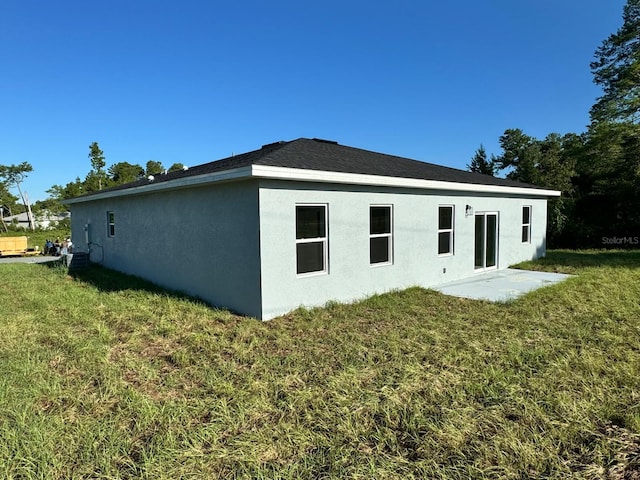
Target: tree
480, 164
548, 163
608, 181
617, 69
176, 167
124, 172
58, 193
154, 167
14, 175
50, 205
97, 164
70, 190
7, 203
521, 156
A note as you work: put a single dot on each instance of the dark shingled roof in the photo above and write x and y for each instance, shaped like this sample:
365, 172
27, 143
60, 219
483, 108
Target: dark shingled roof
324, 155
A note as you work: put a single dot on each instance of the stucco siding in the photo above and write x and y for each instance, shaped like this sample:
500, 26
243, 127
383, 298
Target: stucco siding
415, 249
202, 241
234, 244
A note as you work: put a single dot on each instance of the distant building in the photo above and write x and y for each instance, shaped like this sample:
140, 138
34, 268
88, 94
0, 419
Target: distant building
309, 221
44, 220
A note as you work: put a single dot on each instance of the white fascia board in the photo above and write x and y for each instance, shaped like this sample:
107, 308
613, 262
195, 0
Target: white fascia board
302, 175
226, 175
282, 173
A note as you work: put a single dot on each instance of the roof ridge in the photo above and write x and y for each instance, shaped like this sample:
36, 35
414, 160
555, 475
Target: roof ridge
273, 150
422, 163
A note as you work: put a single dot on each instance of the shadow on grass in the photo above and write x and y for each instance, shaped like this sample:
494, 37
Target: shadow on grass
107, 280
590, 258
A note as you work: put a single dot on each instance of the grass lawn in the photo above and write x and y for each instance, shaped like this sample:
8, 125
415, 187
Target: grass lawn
105, 376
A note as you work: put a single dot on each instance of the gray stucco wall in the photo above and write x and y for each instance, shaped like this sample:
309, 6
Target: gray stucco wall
233, 244
202, 241
415, 260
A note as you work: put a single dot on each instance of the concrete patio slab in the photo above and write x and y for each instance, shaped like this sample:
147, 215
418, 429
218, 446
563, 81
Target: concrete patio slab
500, 285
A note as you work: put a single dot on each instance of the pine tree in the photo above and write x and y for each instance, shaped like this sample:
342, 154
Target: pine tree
97, 164
480, 164
617, 69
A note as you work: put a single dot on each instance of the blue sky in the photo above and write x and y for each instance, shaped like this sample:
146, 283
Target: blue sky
196, 80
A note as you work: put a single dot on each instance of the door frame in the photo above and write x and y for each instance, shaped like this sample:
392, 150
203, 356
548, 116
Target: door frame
484, 267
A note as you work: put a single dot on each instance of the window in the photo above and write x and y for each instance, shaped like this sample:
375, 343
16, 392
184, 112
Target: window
380, 239
311, 239
445, 230
526, 224
111, 224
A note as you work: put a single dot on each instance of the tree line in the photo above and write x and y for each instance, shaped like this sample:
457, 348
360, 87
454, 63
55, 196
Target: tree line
98, 178
597, 171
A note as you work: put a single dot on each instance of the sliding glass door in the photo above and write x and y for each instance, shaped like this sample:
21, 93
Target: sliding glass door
486, 241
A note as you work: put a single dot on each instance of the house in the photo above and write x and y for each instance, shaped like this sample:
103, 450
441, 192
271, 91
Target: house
308, 221
43, 219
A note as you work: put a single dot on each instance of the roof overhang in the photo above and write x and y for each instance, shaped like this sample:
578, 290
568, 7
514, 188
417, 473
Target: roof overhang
301, 175
186, 182
318, 176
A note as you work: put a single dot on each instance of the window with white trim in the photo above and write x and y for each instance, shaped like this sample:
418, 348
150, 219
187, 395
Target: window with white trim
380, 235
445, 230
111, 224
526, 224
311, 239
